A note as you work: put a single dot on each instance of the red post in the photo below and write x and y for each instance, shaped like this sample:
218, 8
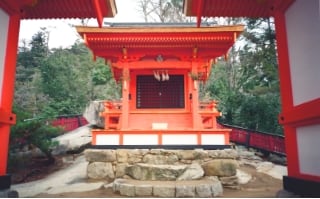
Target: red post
197, 124
286, 92
125, 96
7, 90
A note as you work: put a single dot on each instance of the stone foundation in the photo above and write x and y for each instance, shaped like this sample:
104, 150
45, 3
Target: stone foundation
170, 166
204, 188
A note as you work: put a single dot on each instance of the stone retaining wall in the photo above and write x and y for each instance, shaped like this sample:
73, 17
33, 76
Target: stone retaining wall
160, 164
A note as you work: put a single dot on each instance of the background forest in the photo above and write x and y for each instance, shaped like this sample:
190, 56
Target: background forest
52, 82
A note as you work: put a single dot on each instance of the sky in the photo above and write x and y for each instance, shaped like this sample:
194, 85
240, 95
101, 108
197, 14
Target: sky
63, 34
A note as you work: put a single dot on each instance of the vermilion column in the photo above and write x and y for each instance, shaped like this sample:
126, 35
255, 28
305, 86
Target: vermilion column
9, 44
286, 92
125, 97
195, 98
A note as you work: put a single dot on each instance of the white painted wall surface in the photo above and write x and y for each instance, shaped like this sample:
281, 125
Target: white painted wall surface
303, 31
178, 139
135, 139
4, 24
107, 139
212, 139
308, 138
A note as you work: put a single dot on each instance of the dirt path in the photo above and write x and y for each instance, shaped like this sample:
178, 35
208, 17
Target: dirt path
261, 185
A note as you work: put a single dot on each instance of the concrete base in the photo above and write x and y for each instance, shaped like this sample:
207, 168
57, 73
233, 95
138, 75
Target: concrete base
8, 193
5, 182
286, 194
304, 188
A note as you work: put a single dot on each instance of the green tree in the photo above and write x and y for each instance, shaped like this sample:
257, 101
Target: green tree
33, 133
30, 57
247, 83
162, 10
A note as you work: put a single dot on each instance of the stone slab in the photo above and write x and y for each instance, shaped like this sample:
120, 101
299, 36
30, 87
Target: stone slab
206, 187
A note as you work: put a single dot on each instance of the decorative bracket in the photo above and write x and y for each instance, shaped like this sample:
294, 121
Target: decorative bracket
125, 53
195, 52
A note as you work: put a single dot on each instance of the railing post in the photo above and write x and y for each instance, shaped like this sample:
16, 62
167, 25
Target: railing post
79, 121
248, 139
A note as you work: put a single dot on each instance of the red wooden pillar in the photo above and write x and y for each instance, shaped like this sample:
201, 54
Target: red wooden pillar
300, 117
195, 97
286, 90
125, 97
9, 42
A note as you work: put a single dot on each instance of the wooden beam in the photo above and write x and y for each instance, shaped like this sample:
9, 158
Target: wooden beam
98, 11
185, 30
199, 12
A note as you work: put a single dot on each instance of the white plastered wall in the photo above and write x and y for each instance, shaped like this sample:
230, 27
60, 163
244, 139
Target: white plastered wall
303, 31
308, 138
4, 23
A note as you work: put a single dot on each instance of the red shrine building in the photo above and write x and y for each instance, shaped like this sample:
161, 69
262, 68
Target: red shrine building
160, 68
149, 64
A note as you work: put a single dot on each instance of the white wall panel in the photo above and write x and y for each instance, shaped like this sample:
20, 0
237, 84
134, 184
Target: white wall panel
178, 139
308, 139
143, 139
4, 24
107, 139
212, 139
303, 31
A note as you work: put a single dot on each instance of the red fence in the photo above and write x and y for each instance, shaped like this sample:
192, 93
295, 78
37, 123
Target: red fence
69, 123
265, 142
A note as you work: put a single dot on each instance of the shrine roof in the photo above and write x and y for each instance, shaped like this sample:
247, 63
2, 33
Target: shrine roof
57, 9
235, 8
184, 43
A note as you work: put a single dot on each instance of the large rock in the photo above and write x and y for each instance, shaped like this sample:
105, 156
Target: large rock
203, 191
276, 171
72, 141
220, 167
223, 154
160, 159
120, 169
243, 177
193, 172
122, 155
143, 190
230, 182
116, 184
92, 112
142, 171
100, 171
135, 156
216, 186
183, 191
100, 155
193, 154
127, 190
164, 191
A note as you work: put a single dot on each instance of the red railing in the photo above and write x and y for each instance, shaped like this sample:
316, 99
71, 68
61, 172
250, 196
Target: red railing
69, 123
265, 142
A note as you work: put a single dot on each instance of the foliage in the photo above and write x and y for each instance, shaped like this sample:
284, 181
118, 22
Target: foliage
33, 133
52, 82
60, 81
247, 85
165, 11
